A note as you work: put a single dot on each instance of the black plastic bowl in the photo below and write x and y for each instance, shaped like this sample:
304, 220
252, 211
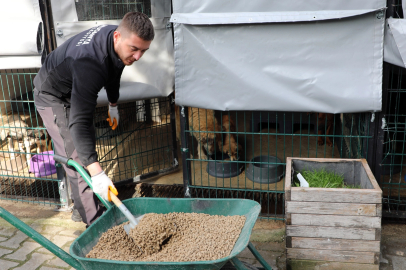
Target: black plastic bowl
219, 166
266, 171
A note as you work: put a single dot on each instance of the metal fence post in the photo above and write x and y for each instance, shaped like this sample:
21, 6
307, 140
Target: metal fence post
173, 128
184, 125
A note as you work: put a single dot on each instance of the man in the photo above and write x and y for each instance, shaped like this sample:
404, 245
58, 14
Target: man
66, 89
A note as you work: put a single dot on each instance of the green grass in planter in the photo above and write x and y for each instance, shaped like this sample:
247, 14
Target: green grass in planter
322, 179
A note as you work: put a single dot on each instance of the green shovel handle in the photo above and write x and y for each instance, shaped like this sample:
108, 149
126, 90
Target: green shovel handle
83, 173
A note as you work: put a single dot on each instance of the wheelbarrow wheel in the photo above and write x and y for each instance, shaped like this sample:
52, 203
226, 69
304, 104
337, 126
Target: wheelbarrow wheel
230, 266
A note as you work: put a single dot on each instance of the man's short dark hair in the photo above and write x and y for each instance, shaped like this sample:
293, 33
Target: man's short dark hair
137, 23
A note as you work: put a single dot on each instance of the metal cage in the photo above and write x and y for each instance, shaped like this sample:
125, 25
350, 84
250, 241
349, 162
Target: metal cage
141, 146
274, 135
24, 143
90, 10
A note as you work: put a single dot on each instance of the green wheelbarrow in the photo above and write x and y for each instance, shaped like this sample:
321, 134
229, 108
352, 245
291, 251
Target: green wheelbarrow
139, 206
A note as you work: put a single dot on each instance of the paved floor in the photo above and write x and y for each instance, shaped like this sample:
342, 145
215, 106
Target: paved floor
19, 252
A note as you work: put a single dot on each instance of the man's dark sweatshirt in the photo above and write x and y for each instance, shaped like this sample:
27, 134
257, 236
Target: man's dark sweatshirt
73, 75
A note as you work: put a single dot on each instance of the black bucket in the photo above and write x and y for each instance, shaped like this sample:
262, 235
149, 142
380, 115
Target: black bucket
223, 168
265, 171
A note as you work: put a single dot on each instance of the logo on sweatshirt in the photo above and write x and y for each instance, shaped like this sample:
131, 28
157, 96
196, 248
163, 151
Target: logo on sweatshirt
87, 38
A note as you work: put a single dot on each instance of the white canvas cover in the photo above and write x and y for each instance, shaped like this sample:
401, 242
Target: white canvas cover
395, 42
153, 75
22, 34
311, 56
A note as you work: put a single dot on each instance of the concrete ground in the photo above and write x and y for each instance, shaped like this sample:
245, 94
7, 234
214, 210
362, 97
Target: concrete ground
19, 252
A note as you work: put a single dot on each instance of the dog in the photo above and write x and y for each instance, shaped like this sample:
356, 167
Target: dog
229, 144
202, 121
14, 128
322, 117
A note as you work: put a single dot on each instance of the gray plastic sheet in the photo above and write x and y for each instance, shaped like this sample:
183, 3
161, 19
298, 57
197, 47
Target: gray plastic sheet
395, 42
22, 28
228, 6
310, 56
64, 10
26, 38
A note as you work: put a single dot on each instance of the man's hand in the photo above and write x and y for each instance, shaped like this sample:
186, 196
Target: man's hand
102, 184
113, 116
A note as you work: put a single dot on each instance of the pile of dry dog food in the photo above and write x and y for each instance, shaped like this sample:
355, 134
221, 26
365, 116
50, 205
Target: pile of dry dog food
173, 237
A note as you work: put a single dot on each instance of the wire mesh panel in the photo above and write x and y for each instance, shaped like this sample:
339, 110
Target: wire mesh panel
141, 144
26, 169
90, 10
243, 154
390, 171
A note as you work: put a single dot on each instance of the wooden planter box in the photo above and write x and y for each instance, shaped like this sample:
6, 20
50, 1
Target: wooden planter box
338, 228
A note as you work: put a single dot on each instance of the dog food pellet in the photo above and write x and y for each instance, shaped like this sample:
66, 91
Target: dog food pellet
173, 237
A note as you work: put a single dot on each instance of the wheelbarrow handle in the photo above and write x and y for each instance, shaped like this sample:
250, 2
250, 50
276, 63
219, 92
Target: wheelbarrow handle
61, 159
82, 172
40, 239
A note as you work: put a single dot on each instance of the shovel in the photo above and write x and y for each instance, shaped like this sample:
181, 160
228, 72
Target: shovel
133, 220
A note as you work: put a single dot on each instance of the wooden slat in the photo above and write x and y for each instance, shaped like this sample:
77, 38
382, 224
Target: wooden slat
346, 209
331, 232
332, 255
378, 234
288, 177
295, 264
379, 210
344, 195
328, 160
288, 219
370, 175
288, 195
335, 244
335, 221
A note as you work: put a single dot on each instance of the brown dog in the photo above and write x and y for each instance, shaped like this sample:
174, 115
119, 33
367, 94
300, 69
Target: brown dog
203, 120
229, 144
322, 127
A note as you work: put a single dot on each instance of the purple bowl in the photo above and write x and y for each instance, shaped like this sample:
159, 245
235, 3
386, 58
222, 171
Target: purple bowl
43, 164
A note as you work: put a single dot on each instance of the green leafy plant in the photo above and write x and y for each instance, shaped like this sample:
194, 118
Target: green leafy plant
323, 179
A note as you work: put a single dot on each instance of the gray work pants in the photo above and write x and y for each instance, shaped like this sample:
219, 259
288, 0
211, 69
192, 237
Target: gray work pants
56, 120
